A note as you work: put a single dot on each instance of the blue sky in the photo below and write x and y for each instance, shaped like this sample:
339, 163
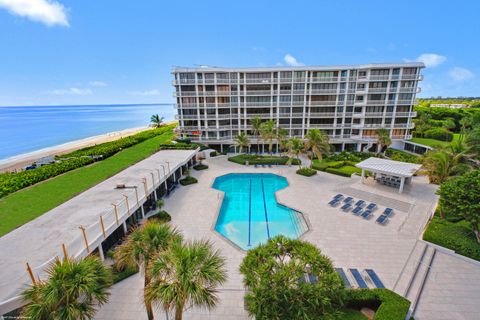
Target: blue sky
89, 52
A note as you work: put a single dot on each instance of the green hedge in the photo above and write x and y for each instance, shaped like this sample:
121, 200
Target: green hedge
108, 149
438, 134
121, 274
323, 165
259, 159
307, 172
403, 156
200, 167
13, 181
351, 156
389, 305
457, 236
345, 171
162, 216
188, 180
179, 146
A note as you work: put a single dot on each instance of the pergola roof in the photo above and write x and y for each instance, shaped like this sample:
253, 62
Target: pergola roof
390, 167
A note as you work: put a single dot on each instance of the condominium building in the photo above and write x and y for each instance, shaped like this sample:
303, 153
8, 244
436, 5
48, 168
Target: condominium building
350, 103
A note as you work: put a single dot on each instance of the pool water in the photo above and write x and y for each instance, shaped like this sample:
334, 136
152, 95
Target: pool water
250, 214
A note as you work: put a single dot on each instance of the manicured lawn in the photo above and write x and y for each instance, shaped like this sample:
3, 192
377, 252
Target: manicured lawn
22, 206
435, 143
457, 236
341, 168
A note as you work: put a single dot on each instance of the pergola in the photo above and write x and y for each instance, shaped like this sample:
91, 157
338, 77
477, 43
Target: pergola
389, 172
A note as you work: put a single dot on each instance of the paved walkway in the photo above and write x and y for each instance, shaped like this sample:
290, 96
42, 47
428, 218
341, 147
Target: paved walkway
350, 241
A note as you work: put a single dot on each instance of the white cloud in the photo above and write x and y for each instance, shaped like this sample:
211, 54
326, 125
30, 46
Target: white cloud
71, 91
153, 92
460, 74
97, 84
49, 12
430, 59
292, 61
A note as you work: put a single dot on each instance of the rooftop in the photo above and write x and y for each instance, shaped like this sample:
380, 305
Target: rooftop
391, 167
299, 68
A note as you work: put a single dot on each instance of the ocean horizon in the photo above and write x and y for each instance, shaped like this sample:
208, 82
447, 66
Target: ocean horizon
25, 129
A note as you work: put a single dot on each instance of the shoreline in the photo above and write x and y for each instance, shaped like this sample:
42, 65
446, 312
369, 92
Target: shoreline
18, 162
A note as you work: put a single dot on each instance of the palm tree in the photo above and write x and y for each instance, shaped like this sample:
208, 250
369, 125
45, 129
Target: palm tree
156, 120
317, 142
268, 131
442, 164
384, 140
140, 248
282, 138
186, 274
74, 289
242, 141
295, 148
256, 123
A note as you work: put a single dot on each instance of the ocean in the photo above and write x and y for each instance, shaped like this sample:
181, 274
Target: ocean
27, 129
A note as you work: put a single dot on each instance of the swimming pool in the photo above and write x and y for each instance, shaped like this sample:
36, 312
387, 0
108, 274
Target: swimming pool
250, 214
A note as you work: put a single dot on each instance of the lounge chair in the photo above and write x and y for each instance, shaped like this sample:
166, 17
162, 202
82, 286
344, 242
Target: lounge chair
358, 278
269, 165
367, 214
357, 211
382, 219
338, 196
348, 200
388, 212
346, 207
256, 165
372, 206
360, 203
334, 202
344, 277
375, 279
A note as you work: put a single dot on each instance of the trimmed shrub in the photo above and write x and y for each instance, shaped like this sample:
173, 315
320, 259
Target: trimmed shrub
345, 171
307, 172
457, 236
179, 146
162, 216
122, 274
441, 134
403, 156
188, 180
259, 159
200, 167
389, 305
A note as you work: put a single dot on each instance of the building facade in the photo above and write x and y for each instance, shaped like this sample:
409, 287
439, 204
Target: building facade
349, 103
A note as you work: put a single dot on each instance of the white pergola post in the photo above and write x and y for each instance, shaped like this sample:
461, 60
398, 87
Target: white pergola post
402, 183
100, 252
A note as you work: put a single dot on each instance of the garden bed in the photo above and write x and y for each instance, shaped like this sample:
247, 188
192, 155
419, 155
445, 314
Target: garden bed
457, 236
200, 167
307, 172
261, 159
188, 180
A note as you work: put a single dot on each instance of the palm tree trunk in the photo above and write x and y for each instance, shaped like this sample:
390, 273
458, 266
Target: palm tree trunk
148, 305
179, 312
477, 234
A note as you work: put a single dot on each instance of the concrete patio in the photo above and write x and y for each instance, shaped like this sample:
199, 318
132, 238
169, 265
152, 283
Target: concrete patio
350, 241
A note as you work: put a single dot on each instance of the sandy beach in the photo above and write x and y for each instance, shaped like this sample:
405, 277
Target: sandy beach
20, 161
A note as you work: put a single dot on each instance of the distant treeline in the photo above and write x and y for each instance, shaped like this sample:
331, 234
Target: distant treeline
472, 102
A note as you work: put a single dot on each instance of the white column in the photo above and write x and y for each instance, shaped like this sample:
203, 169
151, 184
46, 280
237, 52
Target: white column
155, 194
143, 211
402, 183
124, 224
359, 147
100, 252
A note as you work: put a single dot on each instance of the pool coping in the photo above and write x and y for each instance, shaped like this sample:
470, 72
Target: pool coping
221, 195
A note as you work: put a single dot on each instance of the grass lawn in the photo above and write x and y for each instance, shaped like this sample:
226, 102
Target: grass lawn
457, 236
435, 143
22, 206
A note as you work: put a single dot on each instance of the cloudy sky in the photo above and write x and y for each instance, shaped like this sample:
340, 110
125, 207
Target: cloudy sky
96, 52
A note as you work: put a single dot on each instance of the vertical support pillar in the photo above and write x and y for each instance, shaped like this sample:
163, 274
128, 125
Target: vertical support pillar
103, 228
359, 147
100, 252
128, 207
124, 224
65, 253
143, 212
402, 183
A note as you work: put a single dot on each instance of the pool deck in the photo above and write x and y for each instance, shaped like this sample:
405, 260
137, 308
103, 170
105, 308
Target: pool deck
351, 242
